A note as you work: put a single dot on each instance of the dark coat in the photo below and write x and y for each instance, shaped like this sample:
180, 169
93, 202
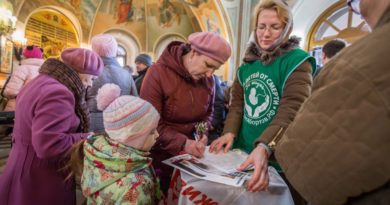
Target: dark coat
219, 113
139, 79
338, 146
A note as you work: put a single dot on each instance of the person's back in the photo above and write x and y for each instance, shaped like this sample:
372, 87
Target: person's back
346, 147
117, 167
106, 46
219, 112
50, 118
23, 74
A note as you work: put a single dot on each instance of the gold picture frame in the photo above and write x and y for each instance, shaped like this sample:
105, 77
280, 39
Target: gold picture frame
6, 58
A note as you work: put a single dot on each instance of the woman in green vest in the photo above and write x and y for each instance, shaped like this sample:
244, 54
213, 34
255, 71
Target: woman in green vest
273, 81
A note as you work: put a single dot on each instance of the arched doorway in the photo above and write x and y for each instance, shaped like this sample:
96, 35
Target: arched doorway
52, 31
163, 42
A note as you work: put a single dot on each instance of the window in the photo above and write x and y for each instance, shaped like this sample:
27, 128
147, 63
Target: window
121, 55
336, 22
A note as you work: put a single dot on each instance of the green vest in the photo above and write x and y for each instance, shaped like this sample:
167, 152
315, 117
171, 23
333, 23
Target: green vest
263, 89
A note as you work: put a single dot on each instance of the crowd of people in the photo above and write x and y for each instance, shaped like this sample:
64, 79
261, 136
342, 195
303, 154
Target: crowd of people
85, 120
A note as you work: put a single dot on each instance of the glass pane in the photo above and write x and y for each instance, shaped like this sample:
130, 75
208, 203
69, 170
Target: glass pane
356, 20
324, 31
121, 51
121, 60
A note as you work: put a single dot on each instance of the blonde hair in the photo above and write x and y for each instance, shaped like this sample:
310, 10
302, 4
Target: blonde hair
281, 9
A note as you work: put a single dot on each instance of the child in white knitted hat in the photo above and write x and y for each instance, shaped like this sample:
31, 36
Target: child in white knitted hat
117, 168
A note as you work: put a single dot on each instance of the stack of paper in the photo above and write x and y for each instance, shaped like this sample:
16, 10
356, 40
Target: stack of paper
219, 168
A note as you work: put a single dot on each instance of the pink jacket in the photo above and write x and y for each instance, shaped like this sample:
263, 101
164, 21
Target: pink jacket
22, 75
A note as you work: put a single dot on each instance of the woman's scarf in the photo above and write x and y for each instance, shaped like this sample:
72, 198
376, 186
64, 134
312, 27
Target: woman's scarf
70, 78
281, 45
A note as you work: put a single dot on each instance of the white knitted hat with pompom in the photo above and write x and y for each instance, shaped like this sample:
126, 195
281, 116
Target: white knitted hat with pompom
127, 119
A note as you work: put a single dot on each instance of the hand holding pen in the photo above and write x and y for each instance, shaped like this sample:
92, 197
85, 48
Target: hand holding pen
197, 147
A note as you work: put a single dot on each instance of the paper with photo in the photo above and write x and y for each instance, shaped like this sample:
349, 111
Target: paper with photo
220, 168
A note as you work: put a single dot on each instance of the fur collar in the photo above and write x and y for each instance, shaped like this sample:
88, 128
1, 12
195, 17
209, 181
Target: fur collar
254, 52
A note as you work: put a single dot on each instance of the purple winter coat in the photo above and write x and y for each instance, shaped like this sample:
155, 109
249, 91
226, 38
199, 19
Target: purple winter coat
44, 131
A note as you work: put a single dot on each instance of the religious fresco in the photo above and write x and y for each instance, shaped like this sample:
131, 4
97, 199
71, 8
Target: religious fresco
210, 19
127, 11
194, 3
168, 13
167, 17
124, 15
147, 22
206, 12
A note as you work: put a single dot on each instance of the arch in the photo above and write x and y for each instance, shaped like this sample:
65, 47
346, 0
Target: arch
65, 12
163, 41
305, 12
338, 21
128, 42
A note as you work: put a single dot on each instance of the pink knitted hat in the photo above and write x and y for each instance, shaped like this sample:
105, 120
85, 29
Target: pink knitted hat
32, 52
127, 119
82, 60
210, 44
105, 45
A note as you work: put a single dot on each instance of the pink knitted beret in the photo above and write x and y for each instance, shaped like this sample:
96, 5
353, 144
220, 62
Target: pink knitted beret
83, 61
210, 44
127, 119
104, 45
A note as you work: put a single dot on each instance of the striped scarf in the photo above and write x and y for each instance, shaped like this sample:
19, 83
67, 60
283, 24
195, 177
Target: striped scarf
70, 78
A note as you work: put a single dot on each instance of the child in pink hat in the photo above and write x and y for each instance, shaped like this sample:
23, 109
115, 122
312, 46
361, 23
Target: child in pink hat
23, 74
117, 167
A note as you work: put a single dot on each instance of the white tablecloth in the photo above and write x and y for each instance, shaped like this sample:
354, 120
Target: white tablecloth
186, 189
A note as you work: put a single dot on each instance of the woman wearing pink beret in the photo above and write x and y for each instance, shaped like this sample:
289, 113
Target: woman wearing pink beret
181, 87
51, 116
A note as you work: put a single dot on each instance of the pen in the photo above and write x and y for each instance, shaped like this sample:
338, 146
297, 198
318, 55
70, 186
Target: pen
197, 138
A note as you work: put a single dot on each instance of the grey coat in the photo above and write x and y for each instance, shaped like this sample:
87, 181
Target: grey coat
112, 73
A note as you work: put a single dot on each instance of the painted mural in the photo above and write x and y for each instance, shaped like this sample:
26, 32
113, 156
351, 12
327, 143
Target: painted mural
127, 10
168, 14
194, 3
127, 16
205, 11
147, 22
210, 19
167, 17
